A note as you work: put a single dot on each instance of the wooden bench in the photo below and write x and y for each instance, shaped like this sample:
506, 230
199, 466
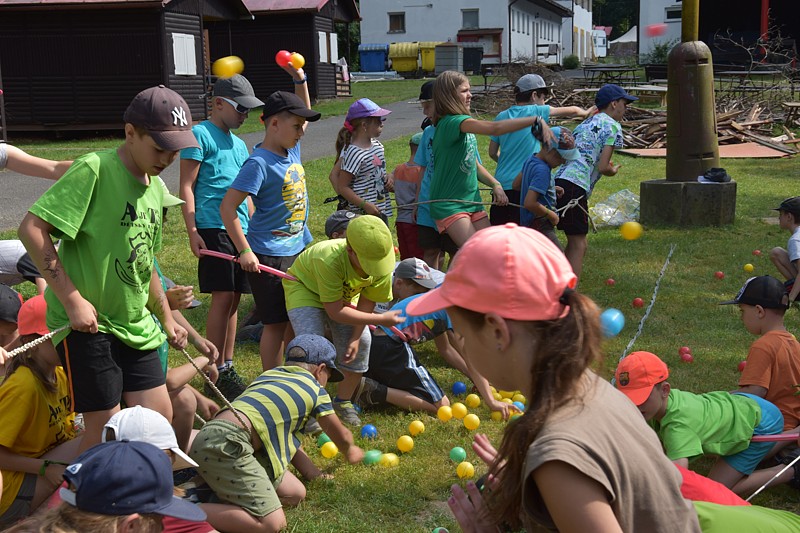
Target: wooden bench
650, 93
792, 113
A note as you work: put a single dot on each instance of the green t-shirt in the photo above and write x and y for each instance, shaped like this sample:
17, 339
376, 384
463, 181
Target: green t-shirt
109, 224
716, 518
716, 423
325, 275
455, 168
163, 349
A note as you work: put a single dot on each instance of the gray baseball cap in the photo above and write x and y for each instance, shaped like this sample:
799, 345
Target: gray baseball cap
314, 350
238, 89
530, 82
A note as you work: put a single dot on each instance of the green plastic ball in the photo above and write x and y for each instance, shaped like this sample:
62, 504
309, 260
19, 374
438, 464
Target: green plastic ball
372, 457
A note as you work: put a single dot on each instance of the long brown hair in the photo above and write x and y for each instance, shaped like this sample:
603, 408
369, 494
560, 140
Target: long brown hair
26, 359
445, 95
68, 519
345, 136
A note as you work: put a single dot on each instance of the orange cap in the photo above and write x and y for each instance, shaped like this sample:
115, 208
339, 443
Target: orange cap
509, 270
32, 316
638, 373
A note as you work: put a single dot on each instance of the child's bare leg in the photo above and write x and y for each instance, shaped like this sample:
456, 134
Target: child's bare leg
746, 485
780, 258
234, 519
291, 490
482, 223
156, 399
406, 400
221, 323
433, 257
461, 230
184, 406
575, 250
347, 387
93, 427
270, 345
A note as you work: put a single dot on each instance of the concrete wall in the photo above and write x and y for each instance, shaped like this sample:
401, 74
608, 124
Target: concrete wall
577, 31
655, 12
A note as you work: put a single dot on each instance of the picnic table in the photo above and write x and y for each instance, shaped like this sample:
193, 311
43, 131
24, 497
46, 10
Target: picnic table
748, 81
650, 93
600, 74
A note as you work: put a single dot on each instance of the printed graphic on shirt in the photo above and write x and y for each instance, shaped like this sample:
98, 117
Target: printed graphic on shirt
294, 198
135, 270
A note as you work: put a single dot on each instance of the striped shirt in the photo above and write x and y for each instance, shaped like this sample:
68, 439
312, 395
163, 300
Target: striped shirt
368, 167
279, 403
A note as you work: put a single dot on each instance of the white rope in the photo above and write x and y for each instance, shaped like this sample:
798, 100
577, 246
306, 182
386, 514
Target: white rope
765, 485
36, 342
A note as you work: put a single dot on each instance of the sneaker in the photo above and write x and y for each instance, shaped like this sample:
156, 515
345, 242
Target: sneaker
312, 427
370, 392
230, 384
184, 476
346, 413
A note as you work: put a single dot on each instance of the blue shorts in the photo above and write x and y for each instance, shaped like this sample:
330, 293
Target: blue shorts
746, 461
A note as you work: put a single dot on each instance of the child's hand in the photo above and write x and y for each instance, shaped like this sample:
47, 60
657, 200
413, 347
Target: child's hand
502, 407
499, 194
249, 262
3, 356
207, 348
179, 296
351, 352
614, 168
389, 318
197, 243
469, 509
372, 209
552, 216
354, 455
207, 408
591, 111
559, 191
177, 336
483, 448
297, 74
82, 315
390, 181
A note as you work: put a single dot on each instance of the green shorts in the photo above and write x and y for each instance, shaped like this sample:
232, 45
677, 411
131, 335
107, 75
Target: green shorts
229, 465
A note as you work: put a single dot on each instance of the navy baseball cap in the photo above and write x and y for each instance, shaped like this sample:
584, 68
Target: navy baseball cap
120, 478
610, 92
314, 350
790, 205
766, 291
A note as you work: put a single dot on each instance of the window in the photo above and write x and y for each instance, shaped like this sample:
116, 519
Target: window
397, 22
184, 55
469, 19
672, 13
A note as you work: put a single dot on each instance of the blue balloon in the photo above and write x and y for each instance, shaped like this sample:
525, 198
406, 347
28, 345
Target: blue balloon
612, 322
369, 431
459, 388
519, 405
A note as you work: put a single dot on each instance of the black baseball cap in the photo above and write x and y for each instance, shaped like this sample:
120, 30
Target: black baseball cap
790, 205
338, 221
766, 291
426, 91
286, 101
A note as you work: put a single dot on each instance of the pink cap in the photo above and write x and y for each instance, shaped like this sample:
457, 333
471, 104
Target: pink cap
513, 271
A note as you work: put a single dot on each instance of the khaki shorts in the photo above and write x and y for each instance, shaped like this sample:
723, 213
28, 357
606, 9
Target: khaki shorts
231, 469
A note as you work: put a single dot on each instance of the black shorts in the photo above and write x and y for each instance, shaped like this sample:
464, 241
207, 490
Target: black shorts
27, 269
268, 289
545, 227
396, 365
216, 274
574, 221
100, 367
502, 214
430, 239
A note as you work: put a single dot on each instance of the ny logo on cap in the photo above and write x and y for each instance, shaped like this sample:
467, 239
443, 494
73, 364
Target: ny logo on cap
179, 117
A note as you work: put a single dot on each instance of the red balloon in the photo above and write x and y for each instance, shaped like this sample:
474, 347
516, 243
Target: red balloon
684, 349
655, 30
638, 302
687, 358
610, 282
719, 275
283, 58
741, 366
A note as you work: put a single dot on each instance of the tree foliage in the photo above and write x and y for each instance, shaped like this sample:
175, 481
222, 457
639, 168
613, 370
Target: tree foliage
621, 15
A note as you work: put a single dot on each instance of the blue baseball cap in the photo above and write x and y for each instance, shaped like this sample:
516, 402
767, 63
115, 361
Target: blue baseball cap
314, 350
566, 143
610, 92
120, 478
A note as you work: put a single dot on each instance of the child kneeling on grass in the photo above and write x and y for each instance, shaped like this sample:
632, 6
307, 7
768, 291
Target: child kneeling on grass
247, 467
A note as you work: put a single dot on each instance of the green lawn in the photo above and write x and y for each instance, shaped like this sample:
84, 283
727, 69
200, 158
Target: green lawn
410, 497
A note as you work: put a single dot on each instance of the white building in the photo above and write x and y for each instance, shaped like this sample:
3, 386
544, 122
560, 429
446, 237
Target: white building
508, 29
663, 15
577, 30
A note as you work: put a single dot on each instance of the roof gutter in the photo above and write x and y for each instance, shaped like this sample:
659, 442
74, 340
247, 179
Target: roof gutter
509, 27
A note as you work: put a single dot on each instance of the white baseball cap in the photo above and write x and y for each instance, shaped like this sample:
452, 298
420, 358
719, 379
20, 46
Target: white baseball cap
140, 424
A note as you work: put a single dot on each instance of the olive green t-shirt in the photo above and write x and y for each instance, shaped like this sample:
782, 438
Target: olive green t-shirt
455, 169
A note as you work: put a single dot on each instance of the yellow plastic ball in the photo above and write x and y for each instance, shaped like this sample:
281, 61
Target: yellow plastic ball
473, 400
519, 398
444, 413
507, 400
465, 470
749, 268
506, 393
297, 60
631, 231
225, 67
497, 416
416, 427
329, 450
496, 396
459, 410
389, 460
471, 422
491, 388
405, 444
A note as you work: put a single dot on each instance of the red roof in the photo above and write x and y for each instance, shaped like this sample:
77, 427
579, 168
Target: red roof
22, 3
257, 6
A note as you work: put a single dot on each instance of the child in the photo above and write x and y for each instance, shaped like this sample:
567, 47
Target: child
248, 467
785, 260
37, 422
105, 293
336, 224
16, 266
718, 423
407, 177
17, 160
206, 174
330, 275
538, 191
546, 337
511, 150
274, 179
772, 371
458, 210
596, 139
361, 179
10, 303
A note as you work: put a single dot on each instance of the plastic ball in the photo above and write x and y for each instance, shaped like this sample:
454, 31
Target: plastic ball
329, 450
509, 401
465, 470
684, 349
748, 267
471, 422
459, 388
283, 58
519, 405
519, 398
506, 393
322, 439
612, 322
741, 366
372, 457
389, 459
687, 357
416, 427
472, 401
369, 431
441, 530
514, 417
444, 413
297, 60
757, 253
459, 410
225, 67
497, 416
638, 302
719, 274
631, 231
458, 454
405, 444
610, 282
496, 396
655, 30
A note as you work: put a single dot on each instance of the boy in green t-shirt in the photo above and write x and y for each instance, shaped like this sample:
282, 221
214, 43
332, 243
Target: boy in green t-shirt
331, 275
107, 211
713, 423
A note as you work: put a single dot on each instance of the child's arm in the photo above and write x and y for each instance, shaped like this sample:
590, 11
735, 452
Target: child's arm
344, 180
24, 163
305, 466
494, 150
341, 437
573, 111
796, 287
35, 235
486, 178
227, 210
179, 376
189, 170
203, 345
30, 465
501, 127
300, 85
333, 177
158, 305
517, 182
344, 314
604, 165
532, 204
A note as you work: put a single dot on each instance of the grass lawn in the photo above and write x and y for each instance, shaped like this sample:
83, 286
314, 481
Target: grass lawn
410, 497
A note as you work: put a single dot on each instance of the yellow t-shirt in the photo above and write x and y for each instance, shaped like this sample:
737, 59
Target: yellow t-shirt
325, 275
32, 422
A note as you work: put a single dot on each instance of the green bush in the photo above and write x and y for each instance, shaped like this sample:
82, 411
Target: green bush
571, 62
659, 52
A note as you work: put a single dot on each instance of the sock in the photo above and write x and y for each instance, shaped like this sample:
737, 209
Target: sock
225, 366
339, 400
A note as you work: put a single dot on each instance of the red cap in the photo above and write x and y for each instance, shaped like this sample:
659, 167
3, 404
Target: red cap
638, 373
509, 270
31, 317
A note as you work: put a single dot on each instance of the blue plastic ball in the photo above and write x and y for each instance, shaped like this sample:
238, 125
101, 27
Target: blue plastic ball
369, 431
459, 388
519, 405
612, 322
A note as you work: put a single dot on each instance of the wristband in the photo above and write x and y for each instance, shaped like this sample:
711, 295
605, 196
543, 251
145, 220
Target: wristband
300, 82
536, 129
245, 251
46, 463
362, 204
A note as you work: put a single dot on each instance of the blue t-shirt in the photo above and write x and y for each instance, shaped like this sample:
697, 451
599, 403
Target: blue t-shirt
516, 147
221, 156
424, 158
536, 176
419, 328
277, 185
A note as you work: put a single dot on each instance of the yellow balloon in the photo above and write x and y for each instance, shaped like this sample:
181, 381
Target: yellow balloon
507, 400
497, 416
506, 393
471, 422
465, 470
519, 398
492, 389
631, 231
389, 459
405, 444
748, 267
416, 427
225, 67
473, 400
297, 60
459, 410
444, 413
329, 450
496, 396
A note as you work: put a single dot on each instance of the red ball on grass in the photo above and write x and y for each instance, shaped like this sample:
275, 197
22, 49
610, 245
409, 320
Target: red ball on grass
610, 282
741, 366
638, 302
719, 274
757, 253
687, 358
684, 349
